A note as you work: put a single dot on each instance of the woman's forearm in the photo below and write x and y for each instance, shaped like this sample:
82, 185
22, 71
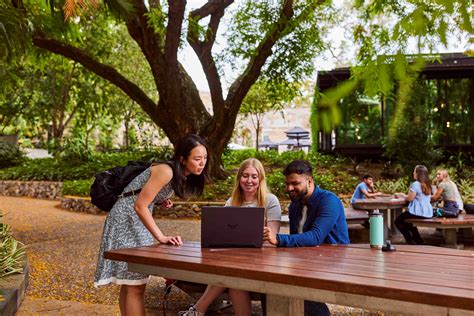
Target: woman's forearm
148, 221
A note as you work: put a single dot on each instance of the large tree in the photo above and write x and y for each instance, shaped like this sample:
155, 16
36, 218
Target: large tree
270, 36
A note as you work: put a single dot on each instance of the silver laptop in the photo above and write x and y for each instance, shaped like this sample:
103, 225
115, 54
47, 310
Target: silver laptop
231, 226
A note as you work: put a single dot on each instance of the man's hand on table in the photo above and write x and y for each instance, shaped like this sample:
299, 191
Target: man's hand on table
269, 236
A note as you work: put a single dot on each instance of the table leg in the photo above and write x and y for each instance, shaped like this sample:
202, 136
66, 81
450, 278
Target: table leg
386, 232
282, 306
394, 213
451, 238
467, 232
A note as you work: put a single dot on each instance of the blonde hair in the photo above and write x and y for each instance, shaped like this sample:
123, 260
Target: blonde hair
262, 191
445, 175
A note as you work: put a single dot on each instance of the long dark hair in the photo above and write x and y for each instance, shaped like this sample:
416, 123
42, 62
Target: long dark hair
422, 176
192, 184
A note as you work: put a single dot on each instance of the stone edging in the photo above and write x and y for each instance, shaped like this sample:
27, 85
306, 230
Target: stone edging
13, 289
34, 189
179, 209
53, 190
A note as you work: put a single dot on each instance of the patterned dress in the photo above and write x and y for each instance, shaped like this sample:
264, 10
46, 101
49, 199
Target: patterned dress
124, 229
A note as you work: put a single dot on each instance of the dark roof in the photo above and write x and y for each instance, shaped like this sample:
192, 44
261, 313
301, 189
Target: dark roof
453, 65
296, 131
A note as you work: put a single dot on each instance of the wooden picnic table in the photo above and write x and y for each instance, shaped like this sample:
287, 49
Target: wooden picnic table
449, 227
412, 280
389, 206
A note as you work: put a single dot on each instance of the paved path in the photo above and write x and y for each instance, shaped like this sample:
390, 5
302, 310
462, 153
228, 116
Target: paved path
62, 249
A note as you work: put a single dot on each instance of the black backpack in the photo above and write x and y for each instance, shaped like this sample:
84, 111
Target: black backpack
109, 184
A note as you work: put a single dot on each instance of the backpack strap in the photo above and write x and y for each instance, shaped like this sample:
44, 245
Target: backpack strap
130, 193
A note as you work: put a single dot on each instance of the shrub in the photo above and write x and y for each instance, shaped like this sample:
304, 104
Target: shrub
393, 186
58, 170
75, 150
77, 187
409, 142
219, 190
12, 252
233, 158
466, 189
10, 155
276, 184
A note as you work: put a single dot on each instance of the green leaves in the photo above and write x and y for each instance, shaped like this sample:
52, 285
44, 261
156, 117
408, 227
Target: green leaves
329, 113
12, 252
13, 32
157, 20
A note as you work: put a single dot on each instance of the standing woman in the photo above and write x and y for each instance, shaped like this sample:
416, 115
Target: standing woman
447, 191
250, 190
130, 222
419, 206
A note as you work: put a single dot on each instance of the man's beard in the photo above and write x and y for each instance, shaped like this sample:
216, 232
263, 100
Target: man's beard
298, 197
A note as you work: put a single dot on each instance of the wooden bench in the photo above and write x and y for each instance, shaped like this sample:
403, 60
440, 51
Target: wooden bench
352, 217
449, 227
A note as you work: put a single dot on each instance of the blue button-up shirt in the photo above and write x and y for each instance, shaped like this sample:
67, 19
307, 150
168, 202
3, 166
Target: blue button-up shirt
325, 222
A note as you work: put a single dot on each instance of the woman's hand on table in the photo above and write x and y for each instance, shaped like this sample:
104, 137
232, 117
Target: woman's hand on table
173, 240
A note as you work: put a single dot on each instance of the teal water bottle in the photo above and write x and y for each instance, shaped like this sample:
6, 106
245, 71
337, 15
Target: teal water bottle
376, 229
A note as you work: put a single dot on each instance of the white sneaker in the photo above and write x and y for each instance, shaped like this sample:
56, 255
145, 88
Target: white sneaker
192, 311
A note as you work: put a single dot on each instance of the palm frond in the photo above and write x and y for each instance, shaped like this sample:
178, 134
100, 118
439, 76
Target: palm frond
71, 8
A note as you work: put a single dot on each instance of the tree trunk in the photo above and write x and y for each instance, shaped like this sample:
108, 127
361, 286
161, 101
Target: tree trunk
257, 134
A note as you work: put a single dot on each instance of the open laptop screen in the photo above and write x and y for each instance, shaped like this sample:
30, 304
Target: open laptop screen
231, 226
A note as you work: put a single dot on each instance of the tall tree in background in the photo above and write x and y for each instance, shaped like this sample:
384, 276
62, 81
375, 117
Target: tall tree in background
262, 99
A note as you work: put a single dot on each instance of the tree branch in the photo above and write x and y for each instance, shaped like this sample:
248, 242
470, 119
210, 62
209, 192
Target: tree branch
173, 31
241, 86
106, 72
203, 49
149, 42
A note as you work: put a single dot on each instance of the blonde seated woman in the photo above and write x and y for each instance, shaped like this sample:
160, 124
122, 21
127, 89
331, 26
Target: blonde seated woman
250, 190
447, 191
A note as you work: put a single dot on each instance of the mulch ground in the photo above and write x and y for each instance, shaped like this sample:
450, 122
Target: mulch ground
62, 249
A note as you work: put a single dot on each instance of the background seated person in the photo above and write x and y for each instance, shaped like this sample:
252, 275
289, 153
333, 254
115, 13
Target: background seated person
447, 192
250, 189
419, 205
316, 217
365, 189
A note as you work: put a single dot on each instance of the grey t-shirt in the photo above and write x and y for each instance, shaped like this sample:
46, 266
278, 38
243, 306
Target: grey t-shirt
448, 191
272, 209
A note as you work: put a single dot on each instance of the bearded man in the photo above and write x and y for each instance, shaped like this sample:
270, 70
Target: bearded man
316, 215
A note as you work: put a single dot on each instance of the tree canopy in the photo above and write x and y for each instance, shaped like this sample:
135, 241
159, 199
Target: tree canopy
276, 41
